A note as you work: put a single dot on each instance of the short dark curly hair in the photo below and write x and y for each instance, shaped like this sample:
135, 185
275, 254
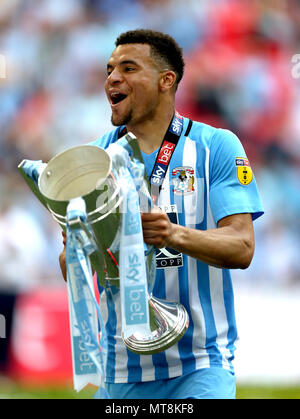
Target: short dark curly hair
164, 49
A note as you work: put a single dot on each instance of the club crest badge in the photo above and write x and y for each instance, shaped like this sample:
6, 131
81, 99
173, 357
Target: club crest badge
244, 171
183, 180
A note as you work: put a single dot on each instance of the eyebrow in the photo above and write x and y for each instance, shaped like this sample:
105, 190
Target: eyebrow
124, 62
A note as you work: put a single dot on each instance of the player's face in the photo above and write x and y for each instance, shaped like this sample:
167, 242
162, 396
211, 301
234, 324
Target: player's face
132, 85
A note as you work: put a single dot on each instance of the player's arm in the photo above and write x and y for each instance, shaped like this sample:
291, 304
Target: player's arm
231, 245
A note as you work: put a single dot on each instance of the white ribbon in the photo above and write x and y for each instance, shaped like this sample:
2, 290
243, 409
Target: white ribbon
132, 259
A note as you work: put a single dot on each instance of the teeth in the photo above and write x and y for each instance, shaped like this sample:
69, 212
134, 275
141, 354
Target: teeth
115, 94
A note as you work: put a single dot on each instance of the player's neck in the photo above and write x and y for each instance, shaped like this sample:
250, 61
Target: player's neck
151, 132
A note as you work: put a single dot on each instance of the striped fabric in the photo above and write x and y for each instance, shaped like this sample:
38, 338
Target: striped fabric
208, 155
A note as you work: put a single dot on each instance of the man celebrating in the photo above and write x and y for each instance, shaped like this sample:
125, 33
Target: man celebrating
202, 229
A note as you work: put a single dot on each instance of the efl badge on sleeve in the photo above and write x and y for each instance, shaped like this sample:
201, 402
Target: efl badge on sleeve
244, 171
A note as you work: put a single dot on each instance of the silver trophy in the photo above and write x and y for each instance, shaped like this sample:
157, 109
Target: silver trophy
89, 172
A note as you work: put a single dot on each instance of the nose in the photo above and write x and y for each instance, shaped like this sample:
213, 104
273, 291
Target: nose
115, 76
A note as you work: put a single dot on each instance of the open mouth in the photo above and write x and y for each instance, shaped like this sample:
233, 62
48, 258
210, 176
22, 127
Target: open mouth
116, 98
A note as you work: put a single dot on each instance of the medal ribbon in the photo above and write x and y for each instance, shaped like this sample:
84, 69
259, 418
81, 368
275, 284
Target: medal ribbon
164, 154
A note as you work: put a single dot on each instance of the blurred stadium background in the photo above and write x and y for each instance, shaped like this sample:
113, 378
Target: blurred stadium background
241, 73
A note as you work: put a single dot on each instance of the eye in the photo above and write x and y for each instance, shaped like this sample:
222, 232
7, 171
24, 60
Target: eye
128, 69
109, 71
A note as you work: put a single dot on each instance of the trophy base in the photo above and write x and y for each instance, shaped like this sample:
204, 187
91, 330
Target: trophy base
168, 321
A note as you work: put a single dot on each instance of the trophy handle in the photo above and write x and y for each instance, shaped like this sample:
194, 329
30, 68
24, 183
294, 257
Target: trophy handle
30, 182
168, 322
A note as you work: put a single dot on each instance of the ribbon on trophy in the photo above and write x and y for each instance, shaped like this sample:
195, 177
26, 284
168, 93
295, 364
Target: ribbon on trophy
135, 276
88, 355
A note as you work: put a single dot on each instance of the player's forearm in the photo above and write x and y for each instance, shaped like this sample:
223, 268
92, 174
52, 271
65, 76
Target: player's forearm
221, 247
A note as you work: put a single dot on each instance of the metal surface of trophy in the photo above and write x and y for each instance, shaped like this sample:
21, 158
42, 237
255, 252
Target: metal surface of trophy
88, 171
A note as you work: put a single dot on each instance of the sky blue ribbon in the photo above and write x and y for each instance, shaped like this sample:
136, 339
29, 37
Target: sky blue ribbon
79, 245
33, 168
125, 166
133, 266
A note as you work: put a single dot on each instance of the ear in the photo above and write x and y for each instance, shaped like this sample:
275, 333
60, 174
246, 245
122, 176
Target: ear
167, 80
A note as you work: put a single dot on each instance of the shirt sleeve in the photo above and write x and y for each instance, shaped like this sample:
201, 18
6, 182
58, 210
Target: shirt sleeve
233, 188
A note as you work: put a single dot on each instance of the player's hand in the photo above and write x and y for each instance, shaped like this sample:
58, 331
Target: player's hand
62, 258
157, 228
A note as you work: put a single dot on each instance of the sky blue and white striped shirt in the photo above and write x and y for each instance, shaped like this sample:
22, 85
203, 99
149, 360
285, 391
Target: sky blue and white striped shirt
204, 183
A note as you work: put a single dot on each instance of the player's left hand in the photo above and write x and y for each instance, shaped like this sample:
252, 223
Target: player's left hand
157, 228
